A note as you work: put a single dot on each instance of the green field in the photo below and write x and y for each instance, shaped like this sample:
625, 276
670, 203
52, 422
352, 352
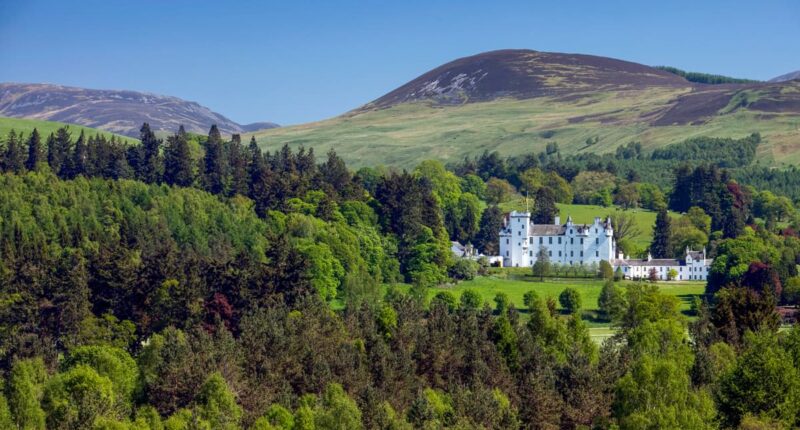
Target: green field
516, 282
26, 126
405, 134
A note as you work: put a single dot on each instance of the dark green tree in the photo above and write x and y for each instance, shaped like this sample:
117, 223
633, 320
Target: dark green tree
544, 207
14, 159
178, 163
237, 163
80, 157
488, 238
214, 163
35, 153
661, 236
151, 164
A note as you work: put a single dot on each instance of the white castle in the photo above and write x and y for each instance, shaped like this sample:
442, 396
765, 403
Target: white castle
521, 240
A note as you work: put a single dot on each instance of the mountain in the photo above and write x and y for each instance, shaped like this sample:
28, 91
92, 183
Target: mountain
120, 112
517, 101
787, 77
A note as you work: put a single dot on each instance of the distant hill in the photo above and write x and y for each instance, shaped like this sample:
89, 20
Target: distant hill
120, 112
517, 101
787, 77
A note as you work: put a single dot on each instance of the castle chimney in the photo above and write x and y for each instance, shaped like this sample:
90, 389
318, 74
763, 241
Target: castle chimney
557, 220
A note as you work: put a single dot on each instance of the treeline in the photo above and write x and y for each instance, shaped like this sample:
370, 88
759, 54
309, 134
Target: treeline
705, 78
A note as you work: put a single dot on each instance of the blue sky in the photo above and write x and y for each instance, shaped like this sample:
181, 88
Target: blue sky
299, 61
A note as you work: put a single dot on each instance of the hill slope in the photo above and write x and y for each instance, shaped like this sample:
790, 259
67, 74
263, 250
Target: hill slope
787, 77
517, 101
120, 112
26, 126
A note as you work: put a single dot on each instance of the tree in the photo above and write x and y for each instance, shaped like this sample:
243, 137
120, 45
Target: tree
14, 159
217, 404
611, 301
80, 157
463, 269
627, 196
214, 163
25, 391
498, 190
652, 275
237, 165
151, 164
488, 238
660, 248
35, 157
544, 207
470, 299
763, 383
76, 398
178, 163
672, 274
570, 300
605, 270
59, 149
541, 267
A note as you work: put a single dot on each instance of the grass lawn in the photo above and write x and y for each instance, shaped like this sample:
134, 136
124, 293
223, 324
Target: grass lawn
516, 287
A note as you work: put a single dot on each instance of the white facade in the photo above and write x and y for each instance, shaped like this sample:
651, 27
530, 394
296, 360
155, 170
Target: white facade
566, 244
586, 244
694, 267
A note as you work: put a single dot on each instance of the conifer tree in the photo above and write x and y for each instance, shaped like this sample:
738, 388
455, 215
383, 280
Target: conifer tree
237, 161
35, 153
151, 167
58, 151
80, 157
13, 160
661, 235
214, 163
178, 168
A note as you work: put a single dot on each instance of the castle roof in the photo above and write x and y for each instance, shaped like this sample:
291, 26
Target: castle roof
653, 262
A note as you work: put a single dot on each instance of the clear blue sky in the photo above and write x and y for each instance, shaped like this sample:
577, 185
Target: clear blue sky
310, 60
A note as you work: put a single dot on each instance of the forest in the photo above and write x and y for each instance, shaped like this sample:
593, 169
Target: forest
197, 282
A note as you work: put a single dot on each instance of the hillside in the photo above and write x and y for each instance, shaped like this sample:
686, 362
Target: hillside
517, 101
26, 126
787, 77
120, 112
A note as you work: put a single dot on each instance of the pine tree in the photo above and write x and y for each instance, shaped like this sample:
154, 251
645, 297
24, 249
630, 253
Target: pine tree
237, 162
661, 236
80, 157
58, 149
258, 178
178, 166
214, 163
35, 153
151, 164
14, 159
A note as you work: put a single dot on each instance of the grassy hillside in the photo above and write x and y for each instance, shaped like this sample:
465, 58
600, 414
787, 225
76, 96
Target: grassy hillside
46, 127
404, 134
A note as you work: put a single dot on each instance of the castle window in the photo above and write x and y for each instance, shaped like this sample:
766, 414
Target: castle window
559, 241
597, 253
519, 233
550, 253
506, 241
581, 241
541, 240
581, 253
572, 253
571, 240
559, 253
597, 241
530, 253
550, 240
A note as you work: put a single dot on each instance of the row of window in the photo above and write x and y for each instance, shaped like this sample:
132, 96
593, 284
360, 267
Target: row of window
571, 253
